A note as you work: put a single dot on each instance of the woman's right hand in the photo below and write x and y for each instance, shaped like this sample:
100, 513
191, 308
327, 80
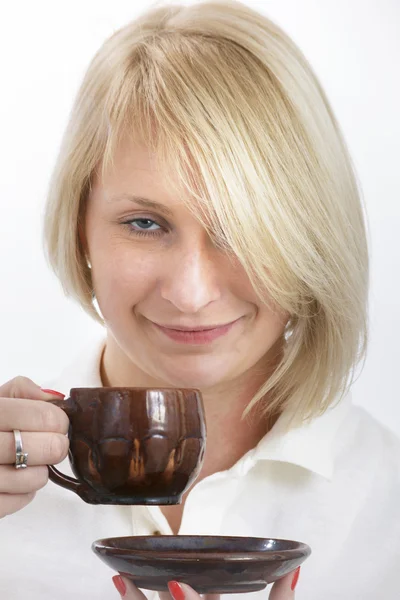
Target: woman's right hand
43, 429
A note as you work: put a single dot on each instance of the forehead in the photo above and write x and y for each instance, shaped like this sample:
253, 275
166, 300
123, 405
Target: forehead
132, 170
136, 170
129, 157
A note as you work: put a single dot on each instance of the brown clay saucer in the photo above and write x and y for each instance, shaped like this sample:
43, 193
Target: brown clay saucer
209, 564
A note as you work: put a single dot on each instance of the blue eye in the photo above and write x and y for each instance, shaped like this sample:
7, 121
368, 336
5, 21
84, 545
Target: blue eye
143, 226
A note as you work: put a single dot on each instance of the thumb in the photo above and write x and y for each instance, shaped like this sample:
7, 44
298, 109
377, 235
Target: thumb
23, 387
283, 589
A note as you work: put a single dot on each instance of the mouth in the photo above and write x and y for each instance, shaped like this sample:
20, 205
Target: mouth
203, 334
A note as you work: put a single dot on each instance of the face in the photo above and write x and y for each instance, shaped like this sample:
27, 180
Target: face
179, 311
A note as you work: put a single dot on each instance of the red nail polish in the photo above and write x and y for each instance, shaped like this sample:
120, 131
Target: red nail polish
176, 590
53, 392
119, 584
295, 578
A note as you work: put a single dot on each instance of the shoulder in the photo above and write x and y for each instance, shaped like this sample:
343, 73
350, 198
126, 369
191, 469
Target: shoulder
84, 368
368, 444
370, 429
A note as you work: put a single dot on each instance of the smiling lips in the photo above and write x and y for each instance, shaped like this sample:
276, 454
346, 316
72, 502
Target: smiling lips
197, 335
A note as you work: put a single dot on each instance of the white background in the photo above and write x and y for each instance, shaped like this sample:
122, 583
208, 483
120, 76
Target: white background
45, 47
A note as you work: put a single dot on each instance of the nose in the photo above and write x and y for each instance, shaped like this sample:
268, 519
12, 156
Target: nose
191, 278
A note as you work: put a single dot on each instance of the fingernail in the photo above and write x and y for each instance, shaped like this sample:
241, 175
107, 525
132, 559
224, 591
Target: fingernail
120, 585
295, 578
176, 590
53, 392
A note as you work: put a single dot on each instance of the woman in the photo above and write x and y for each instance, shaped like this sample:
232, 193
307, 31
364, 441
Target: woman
203, 207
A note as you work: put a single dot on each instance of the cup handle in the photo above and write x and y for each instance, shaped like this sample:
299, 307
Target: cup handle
65, 481
69, 406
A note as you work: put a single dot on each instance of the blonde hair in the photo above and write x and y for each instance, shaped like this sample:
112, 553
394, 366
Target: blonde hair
221, 93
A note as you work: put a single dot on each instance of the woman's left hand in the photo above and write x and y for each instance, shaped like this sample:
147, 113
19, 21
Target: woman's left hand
281, 590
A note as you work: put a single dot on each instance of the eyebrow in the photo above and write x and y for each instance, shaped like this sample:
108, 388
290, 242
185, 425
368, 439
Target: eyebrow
145, 202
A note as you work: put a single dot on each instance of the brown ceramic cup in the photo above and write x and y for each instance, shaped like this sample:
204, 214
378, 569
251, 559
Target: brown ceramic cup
133, 445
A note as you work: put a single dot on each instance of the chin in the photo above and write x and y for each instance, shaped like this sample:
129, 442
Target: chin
202, 377
195, 382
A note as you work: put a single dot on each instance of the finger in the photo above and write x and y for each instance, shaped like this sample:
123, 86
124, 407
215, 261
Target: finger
42, 448
283, 589
23, 387
26, 415
11, 503
127, 589
182, 591
168, 596
22, 481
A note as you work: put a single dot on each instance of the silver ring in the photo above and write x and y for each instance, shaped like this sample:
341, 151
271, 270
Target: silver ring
21, 457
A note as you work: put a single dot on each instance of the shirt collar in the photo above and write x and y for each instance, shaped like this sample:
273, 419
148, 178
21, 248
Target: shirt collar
310, 445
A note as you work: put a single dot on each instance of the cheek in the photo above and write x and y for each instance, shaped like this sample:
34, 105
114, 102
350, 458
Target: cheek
122, 275
272, 321
268, 311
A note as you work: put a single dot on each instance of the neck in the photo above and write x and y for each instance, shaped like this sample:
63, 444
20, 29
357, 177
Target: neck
228, 435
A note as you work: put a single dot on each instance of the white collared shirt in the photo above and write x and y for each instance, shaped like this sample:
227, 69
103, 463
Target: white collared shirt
333, 484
